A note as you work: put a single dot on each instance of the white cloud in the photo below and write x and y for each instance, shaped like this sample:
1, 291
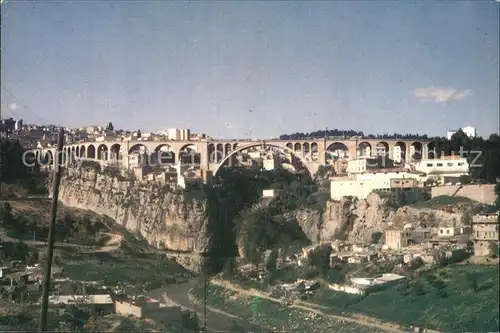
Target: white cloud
440, 95
13, 106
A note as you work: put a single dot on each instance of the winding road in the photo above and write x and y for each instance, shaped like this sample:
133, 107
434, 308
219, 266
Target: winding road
216, 320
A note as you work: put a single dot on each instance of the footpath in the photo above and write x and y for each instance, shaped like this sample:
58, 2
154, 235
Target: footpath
318, 309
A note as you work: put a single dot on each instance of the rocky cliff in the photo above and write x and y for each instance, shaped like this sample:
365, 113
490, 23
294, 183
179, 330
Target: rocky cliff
356, 220
348, 219
190, 221
165, 216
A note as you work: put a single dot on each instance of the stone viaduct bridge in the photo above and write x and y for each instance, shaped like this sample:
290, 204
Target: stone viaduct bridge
214, 153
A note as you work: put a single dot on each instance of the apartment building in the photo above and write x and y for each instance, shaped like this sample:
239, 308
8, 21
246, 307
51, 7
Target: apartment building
178, 134
484, 232
446, 166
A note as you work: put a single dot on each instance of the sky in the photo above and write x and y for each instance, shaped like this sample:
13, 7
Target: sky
253, 69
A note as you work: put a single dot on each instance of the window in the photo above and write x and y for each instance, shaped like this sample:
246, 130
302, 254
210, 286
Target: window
439, 164
429, 164
441, 231
460, 164
449, 164
447, 231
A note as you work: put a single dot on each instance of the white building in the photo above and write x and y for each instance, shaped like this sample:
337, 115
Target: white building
357, 188
468, 130
389, 175
178, 134
270, 164
446, 166
174, 134
356, 166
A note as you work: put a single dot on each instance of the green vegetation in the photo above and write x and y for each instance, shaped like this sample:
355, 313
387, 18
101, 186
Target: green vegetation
484, 167
231, 211
456, 298
376, 237
494, 250
80, 229
276, 316
11, 156
147, 272
465, 179
452, 298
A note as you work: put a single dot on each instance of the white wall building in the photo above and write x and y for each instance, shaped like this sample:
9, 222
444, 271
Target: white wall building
178, 134
397, 154
356, 166
451, 166
357, 188
468, 130
174, 134
270, 164
389, 175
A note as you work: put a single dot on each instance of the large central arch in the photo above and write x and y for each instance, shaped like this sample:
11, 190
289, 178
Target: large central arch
310, 166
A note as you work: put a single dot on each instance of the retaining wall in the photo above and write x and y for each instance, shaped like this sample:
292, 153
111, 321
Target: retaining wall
481, 193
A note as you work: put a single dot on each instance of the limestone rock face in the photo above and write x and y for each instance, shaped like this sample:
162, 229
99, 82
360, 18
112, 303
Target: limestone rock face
170, 218
165, 216
355, 220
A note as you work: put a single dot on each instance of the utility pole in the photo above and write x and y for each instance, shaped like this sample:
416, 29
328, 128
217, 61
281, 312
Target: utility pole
50, 246
205, 282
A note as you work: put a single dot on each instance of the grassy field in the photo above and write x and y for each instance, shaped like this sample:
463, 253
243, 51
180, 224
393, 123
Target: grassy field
120, 267
457, 307
276, 316
460, 309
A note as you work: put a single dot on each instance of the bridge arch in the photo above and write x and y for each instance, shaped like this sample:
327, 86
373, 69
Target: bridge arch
102, 152
381, 149
164, 154
400, 152
83, 152
365, 149
417, 150
115, 151
188, 154
228, 148
337, 150
138, 148
311, 167
91, 151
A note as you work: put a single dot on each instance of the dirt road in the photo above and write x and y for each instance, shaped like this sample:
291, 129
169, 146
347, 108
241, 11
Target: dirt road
314, 308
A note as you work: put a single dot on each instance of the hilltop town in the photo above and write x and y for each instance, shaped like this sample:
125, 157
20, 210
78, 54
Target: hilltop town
407, 219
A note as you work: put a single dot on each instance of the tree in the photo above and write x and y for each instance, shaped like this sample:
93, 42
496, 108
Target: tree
270, 260
376, 237
320, 259
465, 179
470, 247
229, 267
417, 288
494, 251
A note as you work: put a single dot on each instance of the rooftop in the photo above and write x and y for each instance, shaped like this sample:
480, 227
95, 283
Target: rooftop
81, 299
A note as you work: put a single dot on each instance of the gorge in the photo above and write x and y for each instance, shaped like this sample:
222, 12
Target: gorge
231, 218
